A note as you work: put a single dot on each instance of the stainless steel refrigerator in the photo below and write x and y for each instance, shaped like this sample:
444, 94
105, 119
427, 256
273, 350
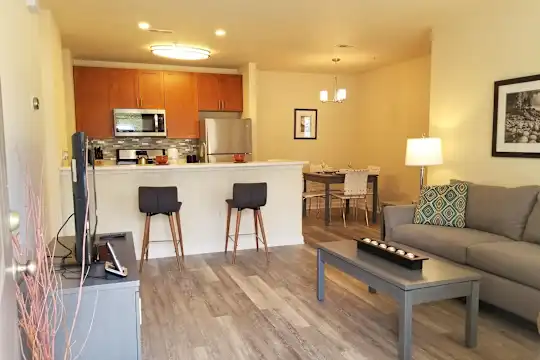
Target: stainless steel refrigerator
220, 139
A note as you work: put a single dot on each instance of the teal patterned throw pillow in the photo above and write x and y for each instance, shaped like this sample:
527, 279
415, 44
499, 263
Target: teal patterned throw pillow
442, 205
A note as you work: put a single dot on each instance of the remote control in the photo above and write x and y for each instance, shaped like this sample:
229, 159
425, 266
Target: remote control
118, 235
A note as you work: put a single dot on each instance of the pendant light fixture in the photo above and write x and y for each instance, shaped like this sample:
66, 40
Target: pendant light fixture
340, 95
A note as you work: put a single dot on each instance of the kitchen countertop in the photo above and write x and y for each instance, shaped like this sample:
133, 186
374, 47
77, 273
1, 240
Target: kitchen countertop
196, 166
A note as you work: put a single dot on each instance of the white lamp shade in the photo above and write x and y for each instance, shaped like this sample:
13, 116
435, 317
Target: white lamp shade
341, 94
423, 152
324, 96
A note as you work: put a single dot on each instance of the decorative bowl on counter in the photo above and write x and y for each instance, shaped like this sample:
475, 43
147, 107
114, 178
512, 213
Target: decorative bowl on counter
239, 158
162, 160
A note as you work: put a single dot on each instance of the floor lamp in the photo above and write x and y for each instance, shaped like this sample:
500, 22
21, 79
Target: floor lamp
423, 152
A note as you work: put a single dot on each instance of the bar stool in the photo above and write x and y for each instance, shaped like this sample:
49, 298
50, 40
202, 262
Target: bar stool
247, 196
160, 201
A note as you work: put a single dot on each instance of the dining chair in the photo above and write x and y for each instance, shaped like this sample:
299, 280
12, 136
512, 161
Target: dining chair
314, 190
374, 170
354, 189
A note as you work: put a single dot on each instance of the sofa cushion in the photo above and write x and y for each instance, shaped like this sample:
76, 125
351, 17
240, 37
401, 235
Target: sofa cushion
448, 242
517, 260
532, 229
442, 205
499, 210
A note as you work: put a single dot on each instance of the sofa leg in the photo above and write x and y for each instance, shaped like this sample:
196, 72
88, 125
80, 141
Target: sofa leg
372, 290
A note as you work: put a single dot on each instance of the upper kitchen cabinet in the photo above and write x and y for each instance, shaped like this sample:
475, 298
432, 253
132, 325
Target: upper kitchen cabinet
150, 86
208, 92
92, 111
181, 111
123, 89
230, 88
219, 92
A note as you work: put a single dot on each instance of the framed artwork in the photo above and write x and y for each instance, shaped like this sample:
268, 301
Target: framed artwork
305, 124
516, 118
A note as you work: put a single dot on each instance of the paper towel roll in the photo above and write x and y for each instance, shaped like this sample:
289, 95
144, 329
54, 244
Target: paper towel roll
172, 153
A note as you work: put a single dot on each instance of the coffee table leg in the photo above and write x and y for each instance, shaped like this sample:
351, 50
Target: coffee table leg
405, 328
472, 315
320, 276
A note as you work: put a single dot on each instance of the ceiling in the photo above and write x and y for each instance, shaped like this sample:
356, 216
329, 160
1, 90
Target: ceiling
289, 35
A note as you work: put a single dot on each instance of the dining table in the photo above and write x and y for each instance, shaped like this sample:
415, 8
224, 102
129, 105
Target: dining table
329, 178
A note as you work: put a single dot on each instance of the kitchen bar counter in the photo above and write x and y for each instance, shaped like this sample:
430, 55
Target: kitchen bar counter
202, 188
196, 166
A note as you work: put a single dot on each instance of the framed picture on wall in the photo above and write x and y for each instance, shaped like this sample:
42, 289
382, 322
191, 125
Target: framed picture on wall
516, 118
305, 124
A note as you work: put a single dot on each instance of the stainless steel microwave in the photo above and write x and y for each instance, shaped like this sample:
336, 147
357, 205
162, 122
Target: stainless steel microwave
139, 122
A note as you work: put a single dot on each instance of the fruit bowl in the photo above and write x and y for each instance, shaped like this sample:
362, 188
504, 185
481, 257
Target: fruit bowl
162, 159
239, 158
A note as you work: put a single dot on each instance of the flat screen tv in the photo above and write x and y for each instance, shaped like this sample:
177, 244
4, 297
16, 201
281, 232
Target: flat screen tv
84, 198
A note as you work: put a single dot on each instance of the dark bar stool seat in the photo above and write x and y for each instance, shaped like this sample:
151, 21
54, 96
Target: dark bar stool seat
160, 201
250, 196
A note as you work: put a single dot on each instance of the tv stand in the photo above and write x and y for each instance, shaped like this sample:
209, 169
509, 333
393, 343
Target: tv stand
112, 302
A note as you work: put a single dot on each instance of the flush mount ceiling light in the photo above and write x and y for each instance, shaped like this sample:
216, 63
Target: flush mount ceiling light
220, 32
180, 52
144, 25
339, 94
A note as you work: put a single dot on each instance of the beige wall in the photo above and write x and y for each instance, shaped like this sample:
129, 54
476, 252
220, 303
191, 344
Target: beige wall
20, 79
54, 116
392, 105
278, 94
384, 107
467, 57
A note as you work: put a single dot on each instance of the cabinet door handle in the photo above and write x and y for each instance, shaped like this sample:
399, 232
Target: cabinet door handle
141, 103
223, 102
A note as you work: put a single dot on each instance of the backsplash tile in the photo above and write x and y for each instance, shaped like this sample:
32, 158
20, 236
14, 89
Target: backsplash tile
109, 146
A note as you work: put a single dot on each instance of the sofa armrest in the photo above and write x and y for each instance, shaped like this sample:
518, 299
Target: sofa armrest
397, 215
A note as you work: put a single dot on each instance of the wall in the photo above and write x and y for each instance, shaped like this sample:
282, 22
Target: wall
20, 79
392, 104
467, 57
249, 87
69, 91
54, 116
384, 107
279, 93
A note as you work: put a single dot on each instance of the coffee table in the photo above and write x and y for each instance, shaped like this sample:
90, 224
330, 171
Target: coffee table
438, 280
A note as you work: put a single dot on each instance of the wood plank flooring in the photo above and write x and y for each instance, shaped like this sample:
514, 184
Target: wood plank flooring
254, 310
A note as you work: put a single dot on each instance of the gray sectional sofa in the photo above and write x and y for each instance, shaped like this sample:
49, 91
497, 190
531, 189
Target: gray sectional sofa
501, 241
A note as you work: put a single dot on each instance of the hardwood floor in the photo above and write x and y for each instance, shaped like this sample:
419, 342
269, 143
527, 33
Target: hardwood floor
254, 310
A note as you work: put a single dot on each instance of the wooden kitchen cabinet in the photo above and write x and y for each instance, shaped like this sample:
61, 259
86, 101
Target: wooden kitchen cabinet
208, 92
180, 90
219, 92
92, 111
231, 92
150, 88
123, 89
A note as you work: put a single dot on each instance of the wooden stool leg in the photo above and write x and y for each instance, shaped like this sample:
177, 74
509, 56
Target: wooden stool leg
256, 228
263, 233
175, 240
228, 227
236, 232
144, 249
180, 238
149, 219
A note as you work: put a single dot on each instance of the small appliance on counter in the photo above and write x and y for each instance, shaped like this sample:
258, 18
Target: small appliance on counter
223, 138
140, 156
139, 122
172, 153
